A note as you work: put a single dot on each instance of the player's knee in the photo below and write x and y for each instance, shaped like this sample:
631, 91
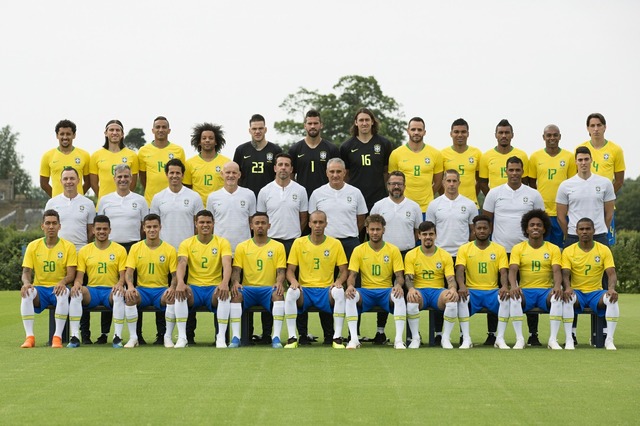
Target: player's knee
337, 294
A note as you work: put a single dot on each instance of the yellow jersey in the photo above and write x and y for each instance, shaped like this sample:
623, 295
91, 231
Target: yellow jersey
376, 268
204, 260
482, 266
467, 164
607, 160
316, 263
102, 266
428, 271
549, 172
419, 169
205, 176
535, 265
103, 162
49, 265
587, 267
493, 165
260, 264
153, 265
54, 161
151, 160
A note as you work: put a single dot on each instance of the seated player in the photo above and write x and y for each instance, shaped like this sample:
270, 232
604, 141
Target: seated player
316, 256
376, 261
583, 265
262, 262
208, 257
426, 268
480, 266
154, 260
538, 263
49, 265
103, 262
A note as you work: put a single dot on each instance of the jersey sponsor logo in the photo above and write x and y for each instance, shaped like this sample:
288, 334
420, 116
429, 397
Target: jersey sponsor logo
60, 255
170, 156
377, 148
547, 256
493, 256
439, 265
77, 160
270, 253
162, 259
269, 156
385, 259
323, 155
326, 253
112, 257
214, 251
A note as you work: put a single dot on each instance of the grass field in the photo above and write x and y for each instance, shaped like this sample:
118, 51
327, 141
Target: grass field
316, 384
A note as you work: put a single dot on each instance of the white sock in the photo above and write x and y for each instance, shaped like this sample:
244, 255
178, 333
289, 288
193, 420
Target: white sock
338, 311
503, 317
118, 315
131, 315
278, 317
75, 313
399, 316
611, 315
450, 315
28, 312
413, 318
463, 318
291, 311
567, 318
224, 308
235, 315
555, 318
180, 314
515, 312
62, 312
351, 311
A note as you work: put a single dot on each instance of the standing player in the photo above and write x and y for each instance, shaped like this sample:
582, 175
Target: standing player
49, 265
204, 171
103, 262
310, 155
366, 157
208, 258
154, 260
262, 262
452, 213
548, 168
463, 158
105, 160
153, 157
62, 157
316, 256
538, 264
420, 163
583, 265
256, 157
426, 269
481, 266
492, 163
377, 262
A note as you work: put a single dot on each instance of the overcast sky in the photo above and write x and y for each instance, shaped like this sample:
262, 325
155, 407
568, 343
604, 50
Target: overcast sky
534, 62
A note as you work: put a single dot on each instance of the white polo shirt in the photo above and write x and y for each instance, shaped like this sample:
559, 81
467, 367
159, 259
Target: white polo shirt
586, 198
177, 211
125, 213
507, 207
75, 214
342, 206
283, 205
452, 219
231, 212
402, 219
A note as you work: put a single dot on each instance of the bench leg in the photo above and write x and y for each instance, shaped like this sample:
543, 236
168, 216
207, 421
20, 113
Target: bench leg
597, 334
432, 327
246, 327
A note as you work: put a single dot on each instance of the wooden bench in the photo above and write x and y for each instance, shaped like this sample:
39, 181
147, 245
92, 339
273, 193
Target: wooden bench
597, 323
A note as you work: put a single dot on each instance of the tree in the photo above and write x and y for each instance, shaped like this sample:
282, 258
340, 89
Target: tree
628, 205
11, 164
337, 109
135, 139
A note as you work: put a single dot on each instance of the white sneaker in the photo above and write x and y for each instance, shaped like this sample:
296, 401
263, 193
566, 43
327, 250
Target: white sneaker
608, 345
466, 344
220, 343
132, 343
168, 342
519, 344
399, 344
553, 344
181, 343
353, 344
501, 344
446, 344
568, 346
415, 344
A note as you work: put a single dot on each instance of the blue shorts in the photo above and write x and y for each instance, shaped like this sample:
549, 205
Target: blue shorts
479, 299
372, 297
47, 298
151, 297
318, 297
590, 300
535, 298
202, 295
430, 297
556, 236
257, 296
99, 296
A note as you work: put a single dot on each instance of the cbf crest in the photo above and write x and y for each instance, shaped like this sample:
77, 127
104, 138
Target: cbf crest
326, 253
427, 160
218, 169
323, 155
472, 160
385, 259
270, 254
112, 257
162, 259
547, 256
439, 265
124, 160
186, 203
269, 156
60, 255
214, 251
349, 199
606, 156
597, 259
77, 160
493, 256
563, 163
377, 148
598, 189
171, 156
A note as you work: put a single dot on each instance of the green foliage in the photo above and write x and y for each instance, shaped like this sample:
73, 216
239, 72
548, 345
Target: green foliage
337, 110
628, 205
11, 243
11, 164
135, 139
626, 253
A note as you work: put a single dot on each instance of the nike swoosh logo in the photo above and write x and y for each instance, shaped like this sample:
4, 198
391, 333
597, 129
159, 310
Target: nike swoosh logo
300, 155
354, 150
246, 156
